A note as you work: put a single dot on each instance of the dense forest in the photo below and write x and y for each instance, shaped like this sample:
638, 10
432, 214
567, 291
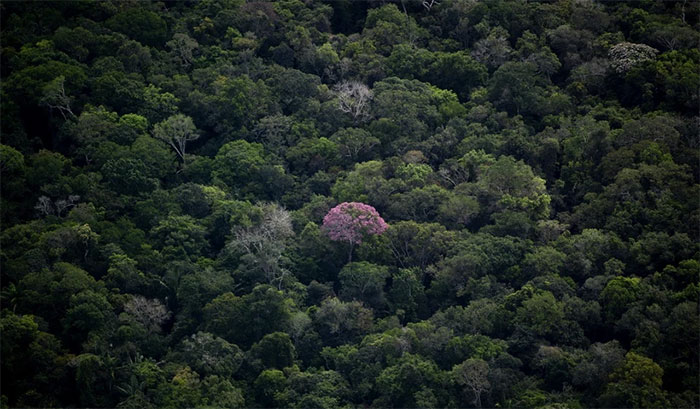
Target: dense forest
336, 204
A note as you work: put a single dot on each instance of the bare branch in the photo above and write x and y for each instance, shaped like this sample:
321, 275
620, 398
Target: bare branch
428, 4
55, 97
264, 243
44, 205
177, 130
354, 98
64, 204
149, 313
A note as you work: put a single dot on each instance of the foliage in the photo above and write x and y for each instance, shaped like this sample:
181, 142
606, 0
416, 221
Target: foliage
176, 131
191, 197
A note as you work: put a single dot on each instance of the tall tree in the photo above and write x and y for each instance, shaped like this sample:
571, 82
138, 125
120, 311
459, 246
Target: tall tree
177, 131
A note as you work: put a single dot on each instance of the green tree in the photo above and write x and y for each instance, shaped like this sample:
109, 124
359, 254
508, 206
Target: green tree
407, 292
274, 350
244, 320
180, 236
399, 383
209, 355
243, 167
448, 67
365, 282
511, 184
516, 87
177, 131
542, 314
366, 184
417, 244
618, 295
219, 392
597, 365
159, 161
269, 386
128, 176
45, 167
157, 104
153, 28
473, 375
182, 47
341, 322
12, 165
19, 331
408, 110
636, 382
355, 144
543, 261
87, 312
55, 98
184, 389
47, 292
311, 155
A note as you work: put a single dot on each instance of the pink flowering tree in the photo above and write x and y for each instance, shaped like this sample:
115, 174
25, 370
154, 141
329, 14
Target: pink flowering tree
350, 222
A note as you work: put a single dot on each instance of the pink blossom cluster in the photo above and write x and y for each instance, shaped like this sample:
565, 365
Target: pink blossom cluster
351, 221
